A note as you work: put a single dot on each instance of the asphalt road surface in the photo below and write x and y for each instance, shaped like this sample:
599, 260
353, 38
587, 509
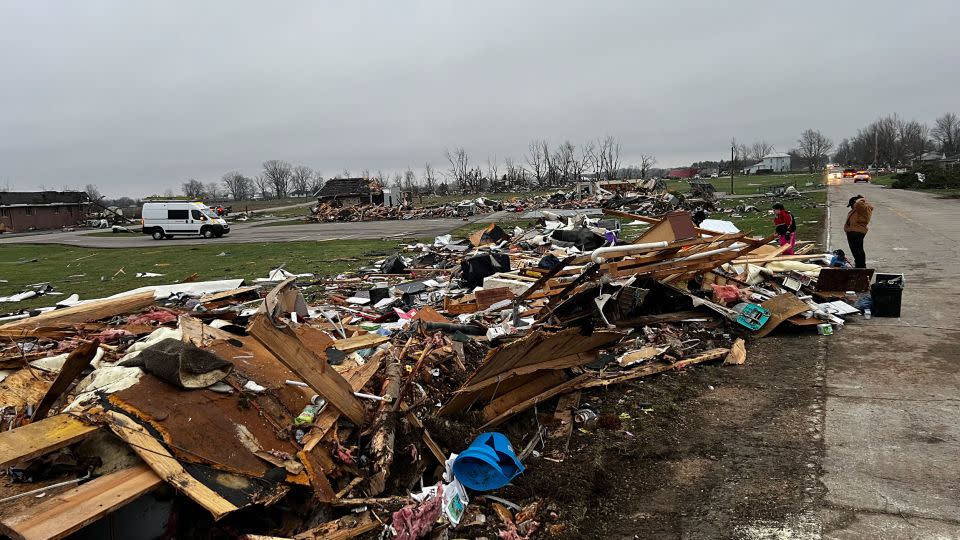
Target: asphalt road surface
248, 233
891, 431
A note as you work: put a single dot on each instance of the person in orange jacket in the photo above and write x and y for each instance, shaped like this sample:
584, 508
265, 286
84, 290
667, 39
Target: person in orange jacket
858, 219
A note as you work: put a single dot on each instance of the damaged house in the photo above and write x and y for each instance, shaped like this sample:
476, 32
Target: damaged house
351, 192
38, 210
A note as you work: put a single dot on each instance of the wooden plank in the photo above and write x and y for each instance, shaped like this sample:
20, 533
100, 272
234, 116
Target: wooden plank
306, 365
226, 294
322, 490
169, 469
358, 378
73, 366
489, 297
88, 312
427, 439
562, 388
563, 416
356, 343
64, 513
38, 438
341, 529
531, 389
652, 369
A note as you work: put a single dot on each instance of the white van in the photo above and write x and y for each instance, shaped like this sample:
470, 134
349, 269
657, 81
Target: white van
166, 219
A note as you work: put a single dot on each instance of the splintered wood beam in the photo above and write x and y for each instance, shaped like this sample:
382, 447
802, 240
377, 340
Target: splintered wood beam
86, 312
158, 458
311, 369
67, 512
356, 343
39, 438
561, 388
73, 366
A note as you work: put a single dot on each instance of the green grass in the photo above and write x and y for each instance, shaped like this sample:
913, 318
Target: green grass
807, 210
753, 184
465, 231
92, 272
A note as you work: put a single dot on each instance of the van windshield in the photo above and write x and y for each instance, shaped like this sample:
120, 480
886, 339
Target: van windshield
210, 213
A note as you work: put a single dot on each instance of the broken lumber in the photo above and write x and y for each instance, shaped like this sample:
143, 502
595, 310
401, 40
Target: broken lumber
305, 364
169, 469
569, 386
381, 444
73, 366
38, 438
652, 369
64, 513
86, 312
356, 343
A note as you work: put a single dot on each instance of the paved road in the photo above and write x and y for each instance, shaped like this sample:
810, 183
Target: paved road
892, 423
248, 233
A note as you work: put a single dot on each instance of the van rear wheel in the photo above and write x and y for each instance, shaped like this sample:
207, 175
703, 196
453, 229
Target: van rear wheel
158, 234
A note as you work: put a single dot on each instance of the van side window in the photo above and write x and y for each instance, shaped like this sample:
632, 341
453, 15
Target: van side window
177, 214
196, 214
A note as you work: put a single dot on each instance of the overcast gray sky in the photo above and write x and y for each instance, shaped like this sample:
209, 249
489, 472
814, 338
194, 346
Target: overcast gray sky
136, 97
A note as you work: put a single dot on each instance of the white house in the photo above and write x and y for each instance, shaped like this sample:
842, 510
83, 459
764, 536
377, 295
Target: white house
777, 162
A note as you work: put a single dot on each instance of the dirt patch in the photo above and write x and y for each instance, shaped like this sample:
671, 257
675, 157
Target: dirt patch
702, 453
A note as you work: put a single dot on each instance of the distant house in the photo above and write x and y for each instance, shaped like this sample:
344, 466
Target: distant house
682, 173
939, 160
778, 162
38, 210
351, 191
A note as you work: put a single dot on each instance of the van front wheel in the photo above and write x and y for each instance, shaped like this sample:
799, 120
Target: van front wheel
207, 232
158, 234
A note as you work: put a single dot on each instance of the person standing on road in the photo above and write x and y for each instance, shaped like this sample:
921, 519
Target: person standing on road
786, 227
858, 219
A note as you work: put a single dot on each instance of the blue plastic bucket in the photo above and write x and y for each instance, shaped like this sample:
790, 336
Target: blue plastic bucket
488, 463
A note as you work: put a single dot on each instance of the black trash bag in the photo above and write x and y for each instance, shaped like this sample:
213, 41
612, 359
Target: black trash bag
478, 267
548, 262
181, 364
393, 265
583, 238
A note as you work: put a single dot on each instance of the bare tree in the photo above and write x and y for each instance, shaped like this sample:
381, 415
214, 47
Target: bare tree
760, 150
946, 131
459, 166
316, 183
565, 161
193, 188
212, 191
429, 179
492, 170
397, 181
844, 154
300, 177
277, 172
516, 174
814, 148
263, 186
365, 174
646, 162
535, 159
915, 137
238, 185
608, 155
409, 180
92, 192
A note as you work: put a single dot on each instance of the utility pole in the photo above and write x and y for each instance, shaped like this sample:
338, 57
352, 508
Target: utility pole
732, 169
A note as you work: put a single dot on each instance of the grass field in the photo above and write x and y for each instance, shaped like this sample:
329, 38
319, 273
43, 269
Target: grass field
751, 185
93, 273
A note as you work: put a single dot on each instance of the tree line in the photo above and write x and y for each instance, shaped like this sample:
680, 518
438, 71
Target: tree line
891, 140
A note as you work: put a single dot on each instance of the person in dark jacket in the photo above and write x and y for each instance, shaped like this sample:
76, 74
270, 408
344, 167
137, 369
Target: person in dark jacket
858, 220
786, 227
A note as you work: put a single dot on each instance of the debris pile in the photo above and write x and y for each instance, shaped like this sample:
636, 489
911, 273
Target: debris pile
331, 211
393, 401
